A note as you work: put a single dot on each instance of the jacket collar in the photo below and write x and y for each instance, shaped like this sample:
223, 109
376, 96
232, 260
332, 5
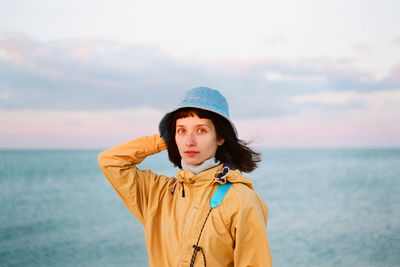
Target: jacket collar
208, 177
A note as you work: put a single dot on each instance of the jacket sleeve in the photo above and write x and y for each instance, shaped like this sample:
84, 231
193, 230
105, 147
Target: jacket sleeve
136, 188
249, 230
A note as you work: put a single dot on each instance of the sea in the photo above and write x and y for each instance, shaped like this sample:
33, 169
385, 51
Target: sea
327, 207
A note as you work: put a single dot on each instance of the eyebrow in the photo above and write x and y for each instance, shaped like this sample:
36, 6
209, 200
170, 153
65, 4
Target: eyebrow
180, 125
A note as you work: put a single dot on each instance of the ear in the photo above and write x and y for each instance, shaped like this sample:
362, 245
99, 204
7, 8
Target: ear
221, 142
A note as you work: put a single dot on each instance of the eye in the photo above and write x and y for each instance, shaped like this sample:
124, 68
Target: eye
201, 130
180, 131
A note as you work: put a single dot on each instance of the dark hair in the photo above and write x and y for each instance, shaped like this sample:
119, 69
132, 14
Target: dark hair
233, 151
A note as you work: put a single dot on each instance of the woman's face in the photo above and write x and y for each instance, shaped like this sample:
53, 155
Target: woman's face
196, 139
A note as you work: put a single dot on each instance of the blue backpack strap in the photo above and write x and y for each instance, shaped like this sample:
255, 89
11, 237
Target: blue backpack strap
219, 194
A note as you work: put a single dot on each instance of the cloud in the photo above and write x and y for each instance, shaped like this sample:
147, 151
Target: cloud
97, 74
377, 124
275, 76
395, 75
27, 128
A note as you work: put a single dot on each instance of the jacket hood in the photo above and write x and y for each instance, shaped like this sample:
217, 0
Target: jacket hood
235, 176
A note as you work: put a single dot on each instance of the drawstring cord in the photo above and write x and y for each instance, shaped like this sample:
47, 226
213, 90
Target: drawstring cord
174, 188
176, 185
197, 248
183, 189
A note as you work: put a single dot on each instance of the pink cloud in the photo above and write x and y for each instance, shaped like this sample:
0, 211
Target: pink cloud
396, 72
378, 124
63, 129
13, 49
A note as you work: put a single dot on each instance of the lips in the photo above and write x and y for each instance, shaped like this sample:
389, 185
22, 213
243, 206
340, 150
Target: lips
191, 153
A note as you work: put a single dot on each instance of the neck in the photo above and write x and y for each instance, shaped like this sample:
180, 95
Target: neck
205, 165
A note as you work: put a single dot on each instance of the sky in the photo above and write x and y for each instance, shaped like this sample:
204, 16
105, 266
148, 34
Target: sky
90, 74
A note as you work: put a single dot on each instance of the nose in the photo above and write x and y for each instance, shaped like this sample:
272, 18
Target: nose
190, 140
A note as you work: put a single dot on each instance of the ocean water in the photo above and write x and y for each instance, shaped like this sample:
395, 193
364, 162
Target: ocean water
327, 207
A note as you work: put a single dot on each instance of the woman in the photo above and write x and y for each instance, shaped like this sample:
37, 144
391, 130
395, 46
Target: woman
209, 213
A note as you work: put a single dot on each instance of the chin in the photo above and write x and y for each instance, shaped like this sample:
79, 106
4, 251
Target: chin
193, 161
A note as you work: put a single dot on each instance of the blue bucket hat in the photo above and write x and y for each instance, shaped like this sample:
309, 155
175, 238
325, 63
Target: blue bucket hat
202, 98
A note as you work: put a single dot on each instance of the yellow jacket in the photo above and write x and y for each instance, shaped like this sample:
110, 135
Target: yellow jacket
234, 233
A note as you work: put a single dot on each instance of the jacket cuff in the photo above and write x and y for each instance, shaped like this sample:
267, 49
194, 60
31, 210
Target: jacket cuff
159, 142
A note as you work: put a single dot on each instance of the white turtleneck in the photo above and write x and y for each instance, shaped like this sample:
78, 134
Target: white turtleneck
205, 165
